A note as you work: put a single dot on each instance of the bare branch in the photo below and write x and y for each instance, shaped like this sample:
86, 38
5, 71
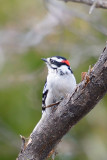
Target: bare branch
53, 127
99, 4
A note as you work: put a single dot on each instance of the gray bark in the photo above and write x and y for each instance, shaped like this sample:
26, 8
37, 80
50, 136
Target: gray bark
52, 128
99, 3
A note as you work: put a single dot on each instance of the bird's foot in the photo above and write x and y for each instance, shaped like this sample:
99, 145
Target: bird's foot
53, 104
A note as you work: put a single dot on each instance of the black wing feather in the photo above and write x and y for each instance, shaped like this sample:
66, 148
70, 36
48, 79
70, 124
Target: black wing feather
45, 92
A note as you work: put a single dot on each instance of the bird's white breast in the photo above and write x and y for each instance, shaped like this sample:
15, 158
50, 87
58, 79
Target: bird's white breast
59, 86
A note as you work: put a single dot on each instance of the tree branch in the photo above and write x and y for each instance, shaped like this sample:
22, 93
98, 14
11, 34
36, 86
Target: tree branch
99, 4
53, 127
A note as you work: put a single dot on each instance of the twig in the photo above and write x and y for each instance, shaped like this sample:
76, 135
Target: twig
93, 6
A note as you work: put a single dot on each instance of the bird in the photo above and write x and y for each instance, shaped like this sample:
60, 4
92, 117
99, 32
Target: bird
59, 83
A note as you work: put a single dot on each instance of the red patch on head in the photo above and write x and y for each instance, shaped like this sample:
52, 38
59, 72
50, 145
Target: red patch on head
66, 61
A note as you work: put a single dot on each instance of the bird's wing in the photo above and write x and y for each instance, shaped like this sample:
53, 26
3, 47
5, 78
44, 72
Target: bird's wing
44, 95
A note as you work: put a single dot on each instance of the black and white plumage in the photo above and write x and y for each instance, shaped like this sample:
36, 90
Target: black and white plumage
60, 81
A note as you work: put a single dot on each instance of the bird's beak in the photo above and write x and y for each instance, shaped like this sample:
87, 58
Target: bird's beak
44, 59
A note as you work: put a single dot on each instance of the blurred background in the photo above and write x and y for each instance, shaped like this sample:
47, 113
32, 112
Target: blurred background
35, 29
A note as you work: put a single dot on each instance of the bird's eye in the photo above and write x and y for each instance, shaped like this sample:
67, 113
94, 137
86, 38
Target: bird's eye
52, 61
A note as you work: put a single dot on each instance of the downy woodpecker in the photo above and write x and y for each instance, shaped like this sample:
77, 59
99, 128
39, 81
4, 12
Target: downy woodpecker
60, 81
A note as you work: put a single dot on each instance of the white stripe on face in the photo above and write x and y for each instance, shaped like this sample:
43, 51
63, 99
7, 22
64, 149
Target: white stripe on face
57, 59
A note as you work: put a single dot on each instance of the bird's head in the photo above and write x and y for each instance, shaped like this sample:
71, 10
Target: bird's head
57, 63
